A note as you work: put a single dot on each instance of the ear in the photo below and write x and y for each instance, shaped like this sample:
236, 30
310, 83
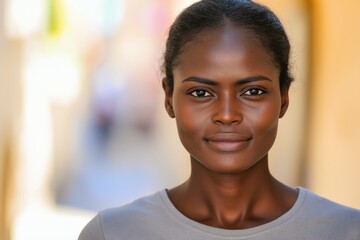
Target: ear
284, 102
168, 98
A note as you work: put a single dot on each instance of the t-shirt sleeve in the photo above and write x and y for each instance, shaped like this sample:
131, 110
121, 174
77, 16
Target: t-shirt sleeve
93, 230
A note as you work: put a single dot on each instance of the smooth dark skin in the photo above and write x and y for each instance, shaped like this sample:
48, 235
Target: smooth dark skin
227, 103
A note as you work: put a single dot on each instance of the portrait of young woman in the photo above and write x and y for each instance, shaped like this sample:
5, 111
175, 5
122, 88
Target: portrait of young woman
226, 82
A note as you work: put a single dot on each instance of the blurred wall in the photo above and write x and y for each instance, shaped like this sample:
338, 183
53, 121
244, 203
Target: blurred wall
287, 154
334, 138
10, 97
2, 120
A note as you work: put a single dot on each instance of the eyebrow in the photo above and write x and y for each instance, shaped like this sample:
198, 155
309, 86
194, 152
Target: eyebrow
238, 82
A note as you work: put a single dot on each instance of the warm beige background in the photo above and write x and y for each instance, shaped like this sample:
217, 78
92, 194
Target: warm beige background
286, 157
334, 135
10, 111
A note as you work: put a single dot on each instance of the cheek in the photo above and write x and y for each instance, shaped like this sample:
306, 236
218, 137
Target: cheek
265, 118
190, 120
190, 128
189, 117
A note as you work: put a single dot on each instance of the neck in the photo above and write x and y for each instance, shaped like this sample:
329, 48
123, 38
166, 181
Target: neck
229, 200
226, 192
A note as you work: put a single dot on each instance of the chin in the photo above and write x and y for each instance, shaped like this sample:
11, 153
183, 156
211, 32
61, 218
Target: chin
228, 165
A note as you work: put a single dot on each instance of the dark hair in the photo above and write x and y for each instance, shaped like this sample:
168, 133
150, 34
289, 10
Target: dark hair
209, 14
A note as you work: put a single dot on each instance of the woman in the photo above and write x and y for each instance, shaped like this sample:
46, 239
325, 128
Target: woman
226, 84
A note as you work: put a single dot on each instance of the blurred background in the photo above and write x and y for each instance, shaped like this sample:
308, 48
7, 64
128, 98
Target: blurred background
82, 123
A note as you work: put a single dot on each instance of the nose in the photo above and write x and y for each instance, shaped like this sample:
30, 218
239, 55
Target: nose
227, 111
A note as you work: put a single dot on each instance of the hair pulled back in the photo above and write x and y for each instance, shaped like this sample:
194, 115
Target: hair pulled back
209, 14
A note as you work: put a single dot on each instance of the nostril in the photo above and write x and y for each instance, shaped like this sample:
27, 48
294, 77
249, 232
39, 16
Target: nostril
234, 122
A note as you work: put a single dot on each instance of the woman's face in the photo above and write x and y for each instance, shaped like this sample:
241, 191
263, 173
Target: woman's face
226, 99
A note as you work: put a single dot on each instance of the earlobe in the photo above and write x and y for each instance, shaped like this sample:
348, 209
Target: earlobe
284, 102
168, 98
170, 111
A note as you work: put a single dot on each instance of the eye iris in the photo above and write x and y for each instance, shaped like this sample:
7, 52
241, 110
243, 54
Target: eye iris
200, 93
255, 92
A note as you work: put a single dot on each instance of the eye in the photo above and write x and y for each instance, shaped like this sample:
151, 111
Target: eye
254, 92
200, 93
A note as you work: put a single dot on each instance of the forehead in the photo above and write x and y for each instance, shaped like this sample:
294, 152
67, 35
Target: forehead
225, 47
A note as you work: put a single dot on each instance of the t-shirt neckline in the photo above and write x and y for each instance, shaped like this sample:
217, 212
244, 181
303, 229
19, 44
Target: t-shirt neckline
227, 233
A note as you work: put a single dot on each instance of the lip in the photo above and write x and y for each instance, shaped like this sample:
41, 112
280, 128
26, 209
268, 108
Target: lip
227, 142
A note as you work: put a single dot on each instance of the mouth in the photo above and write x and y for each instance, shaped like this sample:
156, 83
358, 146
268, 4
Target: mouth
227, 142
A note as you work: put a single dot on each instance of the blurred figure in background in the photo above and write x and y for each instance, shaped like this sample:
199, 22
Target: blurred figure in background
121, 117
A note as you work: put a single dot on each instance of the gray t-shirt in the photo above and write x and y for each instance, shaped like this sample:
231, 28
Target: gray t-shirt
155, 218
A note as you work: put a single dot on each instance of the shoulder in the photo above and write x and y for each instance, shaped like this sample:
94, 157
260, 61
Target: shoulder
139, 210
125, 219
93, 230
326, 215
327, 207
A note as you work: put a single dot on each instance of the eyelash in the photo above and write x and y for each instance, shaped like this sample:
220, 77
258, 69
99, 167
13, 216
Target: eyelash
197, 91
248, 92
206, 93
